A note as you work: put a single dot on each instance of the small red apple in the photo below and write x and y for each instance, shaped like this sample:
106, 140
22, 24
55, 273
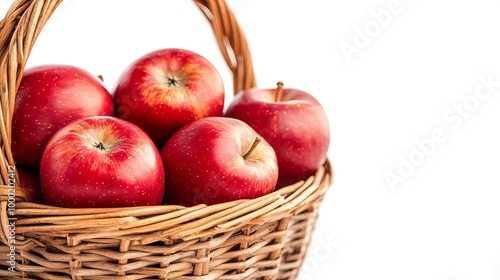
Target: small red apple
49, 97
166, 89
215, 160
101, 162
29, 180
292, 121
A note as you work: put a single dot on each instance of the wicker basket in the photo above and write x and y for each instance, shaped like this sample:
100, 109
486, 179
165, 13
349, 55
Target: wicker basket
263, 238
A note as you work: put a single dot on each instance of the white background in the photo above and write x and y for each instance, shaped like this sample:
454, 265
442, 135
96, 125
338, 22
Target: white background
415, 63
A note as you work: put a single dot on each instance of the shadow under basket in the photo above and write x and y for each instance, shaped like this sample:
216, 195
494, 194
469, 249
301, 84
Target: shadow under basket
262, 238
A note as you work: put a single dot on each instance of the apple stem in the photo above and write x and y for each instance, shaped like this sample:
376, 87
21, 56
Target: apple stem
279, 91
254, 145
100, 146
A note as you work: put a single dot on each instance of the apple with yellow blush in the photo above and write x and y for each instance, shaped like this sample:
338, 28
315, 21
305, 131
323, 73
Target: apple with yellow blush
166, 89
101, 162
292, 121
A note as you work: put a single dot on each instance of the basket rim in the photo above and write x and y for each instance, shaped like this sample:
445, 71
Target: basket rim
172, 222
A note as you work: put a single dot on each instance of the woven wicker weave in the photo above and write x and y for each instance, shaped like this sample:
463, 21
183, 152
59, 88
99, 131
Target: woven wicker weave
263, 238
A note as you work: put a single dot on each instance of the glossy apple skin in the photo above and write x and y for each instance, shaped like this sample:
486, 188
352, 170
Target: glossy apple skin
29, 180
145, 96
204, 163
297, 128
49, 97
76, 171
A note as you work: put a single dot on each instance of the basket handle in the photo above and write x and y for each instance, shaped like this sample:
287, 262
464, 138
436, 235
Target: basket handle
232, 42
25, 20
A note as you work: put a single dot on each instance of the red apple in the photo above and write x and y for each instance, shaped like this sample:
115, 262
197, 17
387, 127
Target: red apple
49, 97
101, 162
29, 180
166, 89
215, 160
292, 121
